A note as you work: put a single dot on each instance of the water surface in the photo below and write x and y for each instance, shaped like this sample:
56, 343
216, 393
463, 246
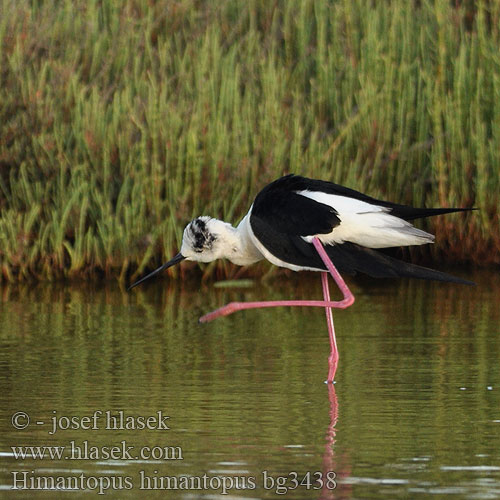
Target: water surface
415, 411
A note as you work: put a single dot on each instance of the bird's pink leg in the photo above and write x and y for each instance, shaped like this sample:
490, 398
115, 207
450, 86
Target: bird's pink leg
240, 306
348, 296
326, 303
334, 354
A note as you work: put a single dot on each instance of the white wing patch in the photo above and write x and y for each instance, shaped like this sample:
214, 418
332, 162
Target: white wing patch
366, 224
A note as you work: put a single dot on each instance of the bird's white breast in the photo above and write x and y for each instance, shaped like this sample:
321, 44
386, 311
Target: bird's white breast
246, 251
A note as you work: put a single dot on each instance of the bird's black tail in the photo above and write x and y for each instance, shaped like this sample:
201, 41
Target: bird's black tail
351, 258
412, 213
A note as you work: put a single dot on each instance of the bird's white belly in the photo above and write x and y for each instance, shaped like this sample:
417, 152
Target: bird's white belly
375, 230
366, 224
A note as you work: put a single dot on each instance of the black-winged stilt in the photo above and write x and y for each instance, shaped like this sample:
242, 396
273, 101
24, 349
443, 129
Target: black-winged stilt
307, 225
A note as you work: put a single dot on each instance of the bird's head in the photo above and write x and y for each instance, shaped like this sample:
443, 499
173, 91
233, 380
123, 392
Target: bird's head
205, 239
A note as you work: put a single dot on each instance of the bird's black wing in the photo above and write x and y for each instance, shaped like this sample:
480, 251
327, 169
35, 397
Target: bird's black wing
284, 246
293, 182
285, 211
280, 217
348, 258
352, 258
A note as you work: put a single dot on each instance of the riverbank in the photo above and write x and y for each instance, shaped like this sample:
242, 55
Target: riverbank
121, 121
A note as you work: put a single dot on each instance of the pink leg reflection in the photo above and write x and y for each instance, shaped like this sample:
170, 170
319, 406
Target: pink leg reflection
326, 303
329, 465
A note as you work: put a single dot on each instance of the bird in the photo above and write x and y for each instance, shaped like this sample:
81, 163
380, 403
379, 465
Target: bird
307, 224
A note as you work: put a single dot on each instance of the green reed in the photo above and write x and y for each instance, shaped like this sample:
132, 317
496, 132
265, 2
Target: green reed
120, 121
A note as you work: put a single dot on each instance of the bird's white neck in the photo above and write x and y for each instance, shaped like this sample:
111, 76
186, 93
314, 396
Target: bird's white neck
248, 252
206, 239
235, 243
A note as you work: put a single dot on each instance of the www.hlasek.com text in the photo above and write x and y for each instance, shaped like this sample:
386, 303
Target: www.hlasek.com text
84, 450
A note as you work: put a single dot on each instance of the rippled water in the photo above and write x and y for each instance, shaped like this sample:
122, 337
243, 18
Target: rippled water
415, 411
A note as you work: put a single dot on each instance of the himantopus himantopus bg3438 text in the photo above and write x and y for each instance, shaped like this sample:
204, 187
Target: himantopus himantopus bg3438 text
308, 225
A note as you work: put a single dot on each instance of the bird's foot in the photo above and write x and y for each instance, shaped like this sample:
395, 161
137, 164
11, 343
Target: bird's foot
222, 311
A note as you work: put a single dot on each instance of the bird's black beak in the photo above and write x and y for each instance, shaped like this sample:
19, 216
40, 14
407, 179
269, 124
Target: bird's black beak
170, 263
